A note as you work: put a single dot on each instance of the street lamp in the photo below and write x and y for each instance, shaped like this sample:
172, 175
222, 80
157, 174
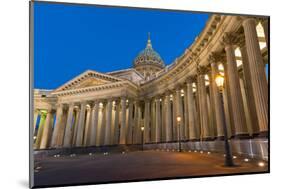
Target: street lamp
142, 130
179, 139
228, 156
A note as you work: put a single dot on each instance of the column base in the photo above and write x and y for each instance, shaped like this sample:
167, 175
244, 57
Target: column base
242, 136
220, 138
263, 134
194, 140
208, 139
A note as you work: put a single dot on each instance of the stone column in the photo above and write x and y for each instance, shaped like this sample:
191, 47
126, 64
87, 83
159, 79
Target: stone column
99, 136
191, 111
59, 114
227, 113
123, 121
227, 104
108, 122
147, 121
81, 124
116, 123
140, 124
197, 112
46, 130
136, 124
211, 104
174, 118
258, 77
153, 121
230, 40
102, 125
163, 120
245, 105
180, 113
157, 121
61, 130
86, 139
214, 59
249, 88
168, 118
186, 121
205, 130
75, 129
40, 130
94, 124
130, 123
69, 123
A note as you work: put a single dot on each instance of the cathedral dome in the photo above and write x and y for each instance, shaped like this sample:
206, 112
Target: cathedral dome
148, 56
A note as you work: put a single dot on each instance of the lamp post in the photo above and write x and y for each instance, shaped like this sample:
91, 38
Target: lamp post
179, 134
228, 156
142, 130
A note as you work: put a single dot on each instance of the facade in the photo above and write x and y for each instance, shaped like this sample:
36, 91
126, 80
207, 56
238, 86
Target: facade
101, 109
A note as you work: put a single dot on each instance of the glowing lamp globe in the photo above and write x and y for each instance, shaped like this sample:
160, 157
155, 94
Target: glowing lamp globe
219, 81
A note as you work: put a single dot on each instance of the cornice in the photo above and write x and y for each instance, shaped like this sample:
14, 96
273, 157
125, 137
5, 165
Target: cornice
96, 88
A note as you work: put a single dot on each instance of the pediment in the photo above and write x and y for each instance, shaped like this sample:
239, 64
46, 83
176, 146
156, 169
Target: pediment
88, 79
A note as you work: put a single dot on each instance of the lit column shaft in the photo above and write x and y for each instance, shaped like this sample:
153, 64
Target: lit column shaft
146, 121
190, 103
123, 121
40, 130
46, 130
130, 123
158, 121
57, 126
205, 130
94, 124
108, 122
180, 113
168, 119
249, 89
86, 139
258, 77
235, 90
186, 121
136, 130
116, 123
81, 124
217, 101
67, 136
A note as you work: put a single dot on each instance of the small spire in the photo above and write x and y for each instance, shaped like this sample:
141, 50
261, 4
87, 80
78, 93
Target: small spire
149, 41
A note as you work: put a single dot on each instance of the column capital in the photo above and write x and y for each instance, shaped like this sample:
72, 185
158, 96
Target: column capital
215, 57
123, 97
83, 103
191, 79
167, 93
241, 40
147, 100
202, 70
229, 39
71, 104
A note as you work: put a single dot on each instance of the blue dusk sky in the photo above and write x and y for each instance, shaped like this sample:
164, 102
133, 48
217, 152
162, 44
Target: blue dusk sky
70, 39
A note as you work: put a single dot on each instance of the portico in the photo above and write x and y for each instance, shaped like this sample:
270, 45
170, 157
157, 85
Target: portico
103, 109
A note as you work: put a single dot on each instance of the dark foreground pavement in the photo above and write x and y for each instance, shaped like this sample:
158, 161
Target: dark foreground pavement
132, 166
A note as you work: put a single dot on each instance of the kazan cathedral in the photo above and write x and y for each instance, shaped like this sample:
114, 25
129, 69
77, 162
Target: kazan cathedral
157, 105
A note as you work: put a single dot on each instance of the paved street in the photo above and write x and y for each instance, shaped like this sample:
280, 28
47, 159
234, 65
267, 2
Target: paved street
99, 168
